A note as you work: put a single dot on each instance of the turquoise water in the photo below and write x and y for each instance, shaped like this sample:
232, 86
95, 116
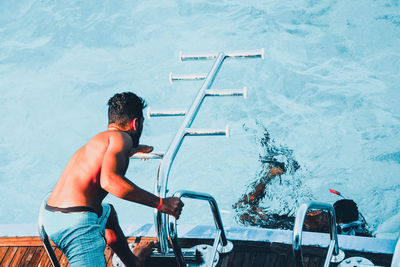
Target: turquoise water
327, 90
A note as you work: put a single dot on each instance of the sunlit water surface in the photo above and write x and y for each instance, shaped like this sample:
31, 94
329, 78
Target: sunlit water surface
327, 91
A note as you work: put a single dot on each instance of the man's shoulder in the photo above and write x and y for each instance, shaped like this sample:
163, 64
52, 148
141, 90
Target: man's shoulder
118, 138
115, 137
112, 134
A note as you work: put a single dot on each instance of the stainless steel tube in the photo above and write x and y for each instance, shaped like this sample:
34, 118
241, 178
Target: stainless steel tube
165, 165
214, 208
221, 236
250, 53
298, 229
228, 92
198, 132
151, 155
162, 113
186, 77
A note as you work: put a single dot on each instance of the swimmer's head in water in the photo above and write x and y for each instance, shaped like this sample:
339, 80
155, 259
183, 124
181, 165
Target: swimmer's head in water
346, 211
124, 107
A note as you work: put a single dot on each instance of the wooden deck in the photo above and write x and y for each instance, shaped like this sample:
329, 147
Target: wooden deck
28, 251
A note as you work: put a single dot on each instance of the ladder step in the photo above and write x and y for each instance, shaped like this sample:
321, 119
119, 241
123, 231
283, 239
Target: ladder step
239, 54
191, 255
227, 92
188, 254
202, 132
163, 113
152, 155
187, 77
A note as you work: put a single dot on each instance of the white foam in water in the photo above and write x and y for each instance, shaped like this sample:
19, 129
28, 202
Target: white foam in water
327, 89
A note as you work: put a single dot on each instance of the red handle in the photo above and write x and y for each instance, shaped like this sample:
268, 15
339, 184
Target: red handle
334, 192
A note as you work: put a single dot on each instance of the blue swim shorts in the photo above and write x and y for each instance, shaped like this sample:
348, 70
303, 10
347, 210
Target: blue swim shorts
79, 235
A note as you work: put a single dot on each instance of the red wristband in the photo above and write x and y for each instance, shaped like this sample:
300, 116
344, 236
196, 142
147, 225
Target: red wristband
159, 205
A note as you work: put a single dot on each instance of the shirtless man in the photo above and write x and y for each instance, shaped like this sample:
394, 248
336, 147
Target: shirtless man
74, 216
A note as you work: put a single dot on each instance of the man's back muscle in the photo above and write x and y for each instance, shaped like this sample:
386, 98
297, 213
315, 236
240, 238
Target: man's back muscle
79, 184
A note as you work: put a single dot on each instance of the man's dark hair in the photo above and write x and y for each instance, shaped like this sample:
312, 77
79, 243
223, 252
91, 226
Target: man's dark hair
123, 107
346, 210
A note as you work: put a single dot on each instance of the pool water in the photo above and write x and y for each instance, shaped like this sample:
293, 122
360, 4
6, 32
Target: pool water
327, 92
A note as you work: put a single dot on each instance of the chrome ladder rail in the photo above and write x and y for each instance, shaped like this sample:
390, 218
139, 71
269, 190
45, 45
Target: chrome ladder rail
334, 253
160, 219
221, 243
169, 156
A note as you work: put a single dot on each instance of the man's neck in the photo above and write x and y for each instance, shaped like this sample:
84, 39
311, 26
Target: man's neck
115, 127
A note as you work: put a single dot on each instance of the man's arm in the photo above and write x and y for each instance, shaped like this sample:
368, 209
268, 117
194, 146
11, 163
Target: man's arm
112, 178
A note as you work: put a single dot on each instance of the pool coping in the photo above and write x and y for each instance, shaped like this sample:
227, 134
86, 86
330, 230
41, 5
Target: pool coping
359, 243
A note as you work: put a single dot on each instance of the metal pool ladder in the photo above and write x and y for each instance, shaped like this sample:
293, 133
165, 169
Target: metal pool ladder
334, 255
162, 224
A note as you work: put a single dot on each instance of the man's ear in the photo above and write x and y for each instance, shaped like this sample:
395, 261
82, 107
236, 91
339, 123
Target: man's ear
134, 124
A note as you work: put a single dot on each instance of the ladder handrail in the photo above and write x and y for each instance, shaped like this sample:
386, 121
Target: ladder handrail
333, 249
226, 246
396, 254
160, 219
233, 54
169, 156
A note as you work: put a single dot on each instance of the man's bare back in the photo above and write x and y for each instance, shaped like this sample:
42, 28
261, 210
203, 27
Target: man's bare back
79, 184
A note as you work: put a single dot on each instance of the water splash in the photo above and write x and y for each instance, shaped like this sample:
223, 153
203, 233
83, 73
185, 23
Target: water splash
270, 202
